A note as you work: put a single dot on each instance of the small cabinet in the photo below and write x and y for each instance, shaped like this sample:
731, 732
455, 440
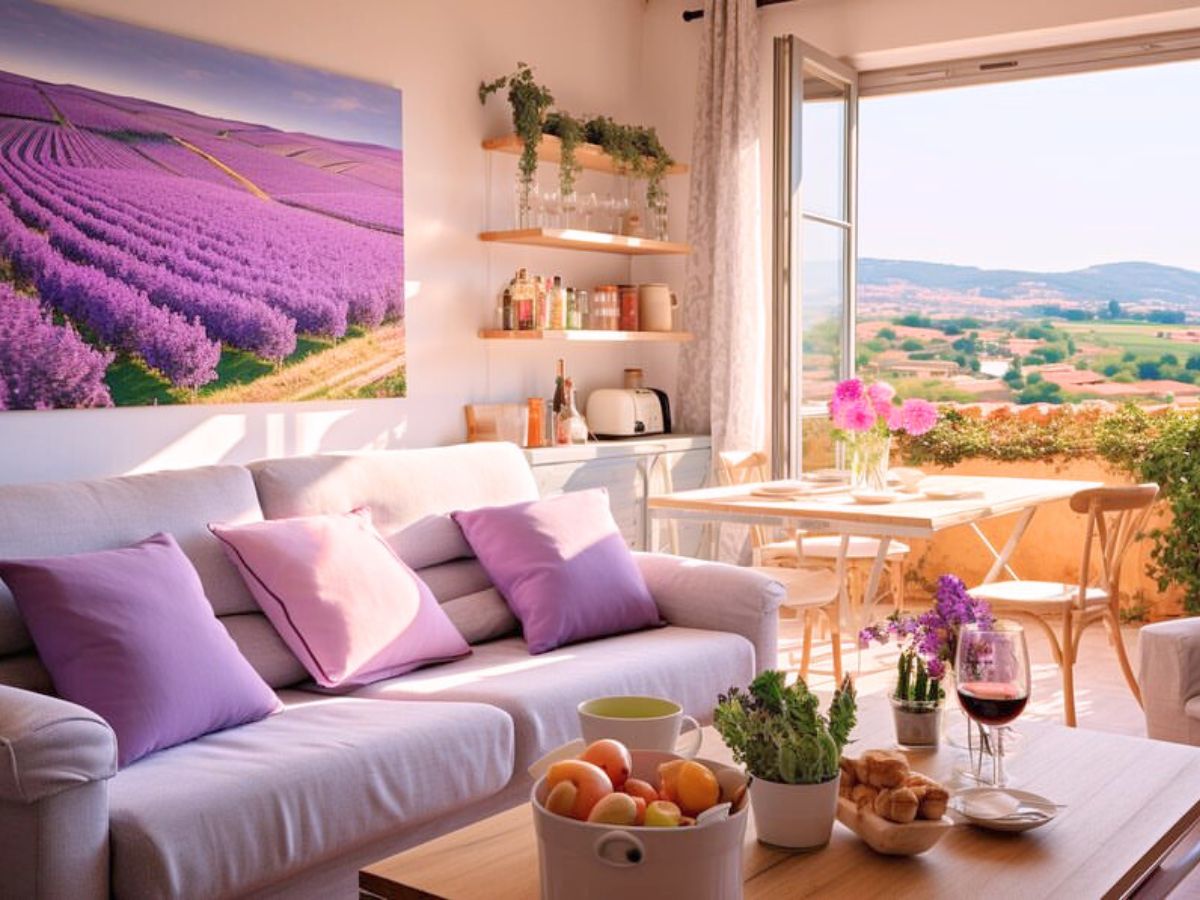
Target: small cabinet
623, 479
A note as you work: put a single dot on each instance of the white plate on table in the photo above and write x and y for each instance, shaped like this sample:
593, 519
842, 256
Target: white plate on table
874, 498
1004, 809
949, 493
827, 476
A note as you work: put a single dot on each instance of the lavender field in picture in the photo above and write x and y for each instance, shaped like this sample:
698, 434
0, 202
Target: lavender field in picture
180, 223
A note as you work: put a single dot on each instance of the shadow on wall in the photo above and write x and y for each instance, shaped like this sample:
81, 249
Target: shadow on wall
79, 444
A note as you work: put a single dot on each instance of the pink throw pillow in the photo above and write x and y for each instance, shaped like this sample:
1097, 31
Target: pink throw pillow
340, 598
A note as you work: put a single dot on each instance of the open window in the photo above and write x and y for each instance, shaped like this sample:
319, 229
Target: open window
814, 245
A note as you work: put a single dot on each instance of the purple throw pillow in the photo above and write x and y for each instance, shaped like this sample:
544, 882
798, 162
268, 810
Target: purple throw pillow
562, 567
340, 598
130, 635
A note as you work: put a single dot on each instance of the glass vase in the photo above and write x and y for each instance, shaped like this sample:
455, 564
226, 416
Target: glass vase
525, 195
867, 455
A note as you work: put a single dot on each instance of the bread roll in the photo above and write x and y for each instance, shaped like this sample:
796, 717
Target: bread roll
897, 805
885, 769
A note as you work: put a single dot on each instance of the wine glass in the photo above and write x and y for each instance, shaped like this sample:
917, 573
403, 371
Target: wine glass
992, 673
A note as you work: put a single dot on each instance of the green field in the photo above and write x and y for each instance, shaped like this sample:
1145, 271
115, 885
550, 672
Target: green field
1136, 337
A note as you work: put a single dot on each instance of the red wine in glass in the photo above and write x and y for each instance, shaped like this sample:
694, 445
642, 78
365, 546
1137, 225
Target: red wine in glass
992, 703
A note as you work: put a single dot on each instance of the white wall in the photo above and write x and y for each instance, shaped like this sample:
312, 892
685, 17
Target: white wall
437, 51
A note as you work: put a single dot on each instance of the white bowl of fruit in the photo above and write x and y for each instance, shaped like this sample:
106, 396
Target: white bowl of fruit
639, 824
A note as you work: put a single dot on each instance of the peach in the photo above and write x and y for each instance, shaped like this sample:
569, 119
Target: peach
615, 809
668, 779
612, 756
635, 787
590, 781
640, 805
561, 799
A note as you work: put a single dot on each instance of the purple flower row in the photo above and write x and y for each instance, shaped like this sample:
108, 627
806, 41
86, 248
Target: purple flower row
44, 365
314, 315
248, 324
22, 101
118, 315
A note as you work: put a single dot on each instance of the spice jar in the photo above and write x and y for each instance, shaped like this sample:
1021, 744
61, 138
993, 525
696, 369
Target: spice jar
628, 307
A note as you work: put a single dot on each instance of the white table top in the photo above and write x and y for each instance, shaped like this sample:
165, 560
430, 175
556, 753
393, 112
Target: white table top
910, 514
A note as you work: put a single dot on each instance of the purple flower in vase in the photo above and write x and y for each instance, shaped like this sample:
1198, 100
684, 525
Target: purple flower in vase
936, 669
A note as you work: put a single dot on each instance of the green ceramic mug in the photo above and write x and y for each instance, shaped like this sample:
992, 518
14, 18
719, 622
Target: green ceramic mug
640, 723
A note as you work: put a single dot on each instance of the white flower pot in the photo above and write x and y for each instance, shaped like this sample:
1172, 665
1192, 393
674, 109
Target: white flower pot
794, 816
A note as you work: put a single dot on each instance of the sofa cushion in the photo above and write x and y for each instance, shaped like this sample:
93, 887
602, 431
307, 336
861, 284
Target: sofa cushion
128, 634
81, 516
235, 811
465, 591
541, 692
340, 597
563, 567
410, 492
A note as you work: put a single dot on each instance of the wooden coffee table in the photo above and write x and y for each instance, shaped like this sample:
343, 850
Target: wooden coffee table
1128, 802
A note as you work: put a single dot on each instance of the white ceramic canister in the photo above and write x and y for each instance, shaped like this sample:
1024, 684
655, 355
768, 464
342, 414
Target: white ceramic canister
656, 306
583, 861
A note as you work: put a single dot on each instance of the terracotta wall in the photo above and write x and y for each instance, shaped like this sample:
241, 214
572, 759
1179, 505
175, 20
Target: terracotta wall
1052, 547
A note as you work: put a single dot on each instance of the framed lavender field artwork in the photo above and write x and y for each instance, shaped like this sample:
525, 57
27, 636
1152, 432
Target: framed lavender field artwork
182, 223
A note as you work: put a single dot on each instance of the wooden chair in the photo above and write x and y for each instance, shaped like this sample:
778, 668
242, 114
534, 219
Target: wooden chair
753, 468
1115, 518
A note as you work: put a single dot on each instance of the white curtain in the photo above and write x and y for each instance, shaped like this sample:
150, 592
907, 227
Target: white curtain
721, 372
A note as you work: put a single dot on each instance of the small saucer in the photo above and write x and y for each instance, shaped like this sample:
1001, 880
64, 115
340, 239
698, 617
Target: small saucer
1003, 809
875, 498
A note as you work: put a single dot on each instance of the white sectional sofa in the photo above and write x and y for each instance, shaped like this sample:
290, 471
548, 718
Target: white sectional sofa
294, 805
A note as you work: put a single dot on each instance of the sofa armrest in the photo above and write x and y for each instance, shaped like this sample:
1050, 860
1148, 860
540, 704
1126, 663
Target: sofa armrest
48, 745
1169, 676
694, 593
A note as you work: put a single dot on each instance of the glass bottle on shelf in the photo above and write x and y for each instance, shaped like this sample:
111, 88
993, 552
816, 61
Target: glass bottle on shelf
572, 310
506, 311
539, 301
560, 395
572, 427
526, 200
523, 300
558, 305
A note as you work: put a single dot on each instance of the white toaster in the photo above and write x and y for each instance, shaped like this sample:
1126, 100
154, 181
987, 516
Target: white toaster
621, 412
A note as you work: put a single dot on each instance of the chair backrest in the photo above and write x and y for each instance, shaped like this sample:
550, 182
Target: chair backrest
736, 467
1116, 515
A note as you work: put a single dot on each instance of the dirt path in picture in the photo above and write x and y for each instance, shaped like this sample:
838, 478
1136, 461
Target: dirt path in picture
332, 374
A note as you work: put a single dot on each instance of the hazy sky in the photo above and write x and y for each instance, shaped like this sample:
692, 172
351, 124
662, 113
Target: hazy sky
1048, 174
57, 45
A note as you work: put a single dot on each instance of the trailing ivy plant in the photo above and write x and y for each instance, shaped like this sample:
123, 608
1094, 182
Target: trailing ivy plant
569, 132
1163, 447
635, 149
530, 102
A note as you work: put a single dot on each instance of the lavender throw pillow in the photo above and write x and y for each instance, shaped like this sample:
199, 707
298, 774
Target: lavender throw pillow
340, 598
562, 567
130, 635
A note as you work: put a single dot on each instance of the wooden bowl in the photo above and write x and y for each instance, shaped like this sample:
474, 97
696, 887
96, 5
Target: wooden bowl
891, 838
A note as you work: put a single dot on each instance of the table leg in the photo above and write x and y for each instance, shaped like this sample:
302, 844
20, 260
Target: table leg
1001, 558
871, 595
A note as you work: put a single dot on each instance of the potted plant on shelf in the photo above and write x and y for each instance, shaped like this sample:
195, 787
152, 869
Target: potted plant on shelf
864, 420
530, 102
928, 642
791, 752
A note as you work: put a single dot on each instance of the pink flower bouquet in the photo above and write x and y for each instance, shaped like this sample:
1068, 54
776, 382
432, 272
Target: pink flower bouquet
865, 418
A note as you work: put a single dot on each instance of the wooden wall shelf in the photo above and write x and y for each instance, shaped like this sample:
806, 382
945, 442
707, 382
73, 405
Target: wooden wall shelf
577, 239
586, 336
589, 156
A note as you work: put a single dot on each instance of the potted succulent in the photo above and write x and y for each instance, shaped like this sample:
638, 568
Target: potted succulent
917, 702
791, 751
928, 642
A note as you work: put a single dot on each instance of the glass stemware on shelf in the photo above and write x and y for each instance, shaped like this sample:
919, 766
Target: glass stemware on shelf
992, 676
